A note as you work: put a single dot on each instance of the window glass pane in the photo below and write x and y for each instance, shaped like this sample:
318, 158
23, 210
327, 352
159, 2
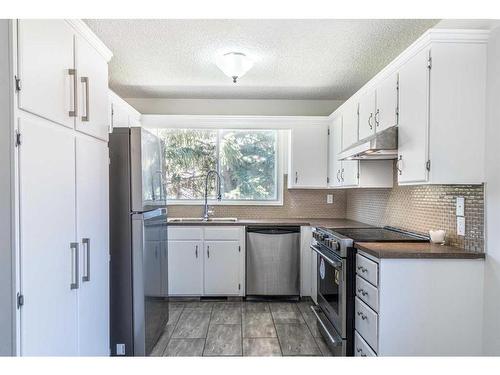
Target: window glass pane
248, 164
189, 155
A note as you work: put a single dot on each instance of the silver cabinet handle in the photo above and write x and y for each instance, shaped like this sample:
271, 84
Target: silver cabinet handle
74, 112
399, 164
363, 316
342, 174
370, 121
208, 251
338, 172
86, 81
296, 176
86, 276
196, 251
362, 291
377, 113
362, 269
75, 271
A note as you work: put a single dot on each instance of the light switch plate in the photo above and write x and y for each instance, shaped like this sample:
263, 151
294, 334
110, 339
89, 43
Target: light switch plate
329, 198
460, 206
460, 225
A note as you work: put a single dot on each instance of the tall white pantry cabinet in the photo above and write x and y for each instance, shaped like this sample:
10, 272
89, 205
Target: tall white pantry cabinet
54, 257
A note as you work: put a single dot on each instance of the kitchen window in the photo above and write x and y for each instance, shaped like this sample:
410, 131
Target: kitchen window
246, 159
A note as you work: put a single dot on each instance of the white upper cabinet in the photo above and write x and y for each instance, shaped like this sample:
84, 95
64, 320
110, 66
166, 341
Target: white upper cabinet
123, 115
367, 114
93, 99
349, 123
335, 145
308, 156
413, 123
46, 69
386, 114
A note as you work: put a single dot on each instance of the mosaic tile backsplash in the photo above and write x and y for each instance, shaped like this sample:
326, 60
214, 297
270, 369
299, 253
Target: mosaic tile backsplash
297, 203
421, 208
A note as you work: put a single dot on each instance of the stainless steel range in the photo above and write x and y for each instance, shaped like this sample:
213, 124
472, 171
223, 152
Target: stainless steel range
336, 278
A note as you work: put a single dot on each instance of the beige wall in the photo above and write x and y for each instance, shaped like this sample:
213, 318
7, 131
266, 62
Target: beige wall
244, 107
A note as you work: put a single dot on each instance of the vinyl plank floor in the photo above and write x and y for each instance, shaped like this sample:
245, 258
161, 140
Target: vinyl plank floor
223, 340
258, 324
296, 340
192, 324
261, 347
185, 348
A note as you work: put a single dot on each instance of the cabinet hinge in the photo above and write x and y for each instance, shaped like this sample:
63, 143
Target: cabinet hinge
239, 286
428, 165
18, 138
18, 83
20, 300
328, 131
429, 62
239, 249
328, 180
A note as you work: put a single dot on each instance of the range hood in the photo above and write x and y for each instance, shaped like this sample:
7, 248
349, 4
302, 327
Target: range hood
379, 146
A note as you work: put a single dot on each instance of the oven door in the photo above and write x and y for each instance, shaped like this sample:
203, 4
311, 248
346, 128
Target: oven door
332, 294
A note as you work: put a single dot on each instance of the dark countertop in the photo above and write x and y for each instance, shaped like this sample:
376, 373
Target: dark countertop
415, 250
330, 223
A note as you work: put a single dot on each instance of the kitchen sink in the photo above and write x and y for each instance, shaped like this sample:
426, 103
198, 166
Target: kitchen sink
201, 220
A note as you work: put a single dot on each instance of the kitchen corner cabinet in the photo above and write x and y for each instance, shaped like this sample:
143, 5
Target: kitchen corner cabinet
206, 261
354, 173
407, 307
308, 156
442, 118
61, 77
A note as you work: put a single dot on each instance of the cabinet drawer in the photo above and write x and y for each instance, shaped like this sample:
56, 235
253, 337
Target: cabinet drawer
366, 323
367, 293
361, 348
185, 233
222, 233
367, 269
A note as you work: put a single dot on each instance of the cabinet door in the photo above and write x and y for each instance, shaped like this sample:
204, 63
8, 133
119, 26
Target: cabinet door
92, 202
120, 116
308, 157
222, 268
93, 96
335, 164
45, 55
413, 136
349, 124
49, 324
185, 268
350, 173
367, 114
386, 114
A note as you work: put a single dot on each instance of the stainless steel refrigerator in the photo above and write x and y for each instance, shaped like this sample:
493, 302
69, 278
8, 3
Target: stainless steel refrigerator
138, 242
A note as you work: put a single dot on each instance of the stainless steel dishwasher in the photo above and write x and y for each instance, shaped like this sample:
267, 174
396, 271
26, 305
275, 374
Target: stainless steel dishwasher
273, 261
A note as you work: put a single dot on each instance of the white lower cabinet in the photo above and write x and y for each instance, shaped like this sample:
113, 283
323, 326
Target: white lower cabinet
222, 268
206, 261
185, 267
64, 241
416, 307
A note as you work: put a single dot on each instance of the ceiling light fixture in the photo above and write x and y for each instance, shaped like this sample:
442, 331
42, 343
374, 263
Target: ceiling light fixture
234, 64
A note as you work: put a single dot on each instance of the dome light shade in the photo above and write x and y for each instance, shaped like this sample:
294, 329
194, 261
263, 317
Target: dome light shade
234, 64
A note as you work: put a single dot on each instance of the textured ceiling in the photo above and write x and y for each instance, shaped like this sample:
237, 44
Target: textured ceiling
294, 59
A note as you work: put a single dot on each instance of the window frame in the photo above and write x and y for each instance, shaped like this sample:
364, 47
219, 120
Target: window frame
239, 202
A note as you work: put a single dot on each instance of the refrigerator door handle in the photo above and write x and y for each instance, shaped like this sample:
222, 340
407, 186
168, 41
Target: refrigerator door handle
75, 271
86, 276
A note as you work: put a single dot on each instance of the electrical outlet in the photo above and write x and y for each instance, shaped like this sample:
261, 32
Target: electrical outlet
120, 349
460, 226
460, 206
329, 198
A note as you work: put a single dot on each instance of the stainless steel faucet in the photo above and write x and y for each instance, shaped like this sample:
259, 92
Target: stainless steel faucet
219, 196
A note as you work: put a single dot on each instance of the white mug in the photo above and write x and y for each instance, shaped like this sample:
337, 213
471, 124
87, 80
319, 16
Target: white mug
437, 236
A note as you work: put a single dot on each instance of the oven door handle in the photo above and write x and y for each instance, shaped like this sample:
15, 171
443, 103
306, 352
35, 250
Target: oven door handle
335, 341
334, 263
